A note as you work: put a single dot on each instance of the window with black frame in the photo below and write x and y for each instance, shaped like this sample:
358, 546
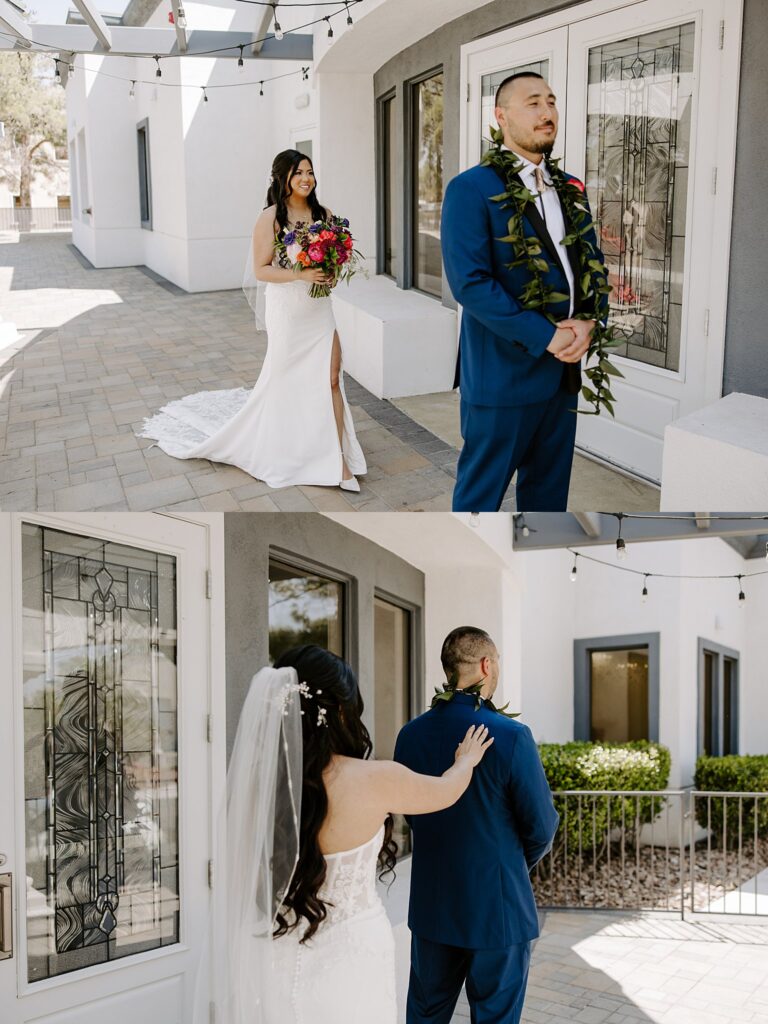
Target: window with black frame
718, 700
304, 608
393, 659
427, 179
145, 181
389, 257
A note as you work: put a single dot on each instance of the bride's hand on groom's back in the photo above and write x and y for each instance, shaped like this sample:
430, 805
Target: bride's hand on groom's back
474, 745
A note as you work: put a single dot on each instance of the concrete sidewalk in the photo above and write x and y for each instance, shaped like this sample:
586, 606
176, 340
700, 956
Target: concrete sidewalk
102, 349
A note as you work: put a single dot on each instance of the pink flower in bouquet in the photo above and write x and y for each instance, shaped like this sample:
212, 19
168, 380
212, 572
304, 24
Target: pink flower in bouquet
343, 256
348, 242
316, 253
327, 236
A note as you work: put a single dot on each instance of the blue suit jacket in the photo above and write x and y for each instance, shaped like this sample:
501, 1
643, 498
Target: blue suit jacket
503, 357
469, 883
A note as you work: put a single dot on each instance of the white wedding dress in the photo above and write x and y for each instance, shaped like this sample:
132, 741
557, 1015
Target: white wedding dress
284, 430
345, 974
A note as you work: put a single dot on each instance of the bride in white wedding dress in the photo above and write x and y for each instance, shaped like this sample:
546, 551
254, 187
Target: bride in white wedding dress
309, 822
295, 426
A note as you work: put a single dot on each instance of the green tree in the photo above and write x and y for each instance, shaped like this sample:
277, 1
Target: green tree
32, 111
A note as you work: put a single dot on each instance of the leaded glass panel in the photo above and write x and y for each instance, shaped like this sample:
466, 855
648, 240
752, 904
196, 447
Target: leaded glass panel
100, 717
638, 143
489, 85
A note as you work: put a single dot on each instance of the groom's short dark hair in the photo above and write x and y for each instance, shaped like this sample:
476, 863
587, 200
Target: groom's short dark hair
465, 645
513, 78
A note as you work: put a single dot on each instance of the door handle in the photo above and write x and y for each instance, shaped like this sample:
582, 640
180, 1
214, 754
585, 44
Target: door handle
6, 916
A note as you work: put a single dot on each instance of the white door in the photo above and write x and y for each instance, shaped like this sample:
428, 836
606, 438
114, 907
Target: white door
648, 121
104, 805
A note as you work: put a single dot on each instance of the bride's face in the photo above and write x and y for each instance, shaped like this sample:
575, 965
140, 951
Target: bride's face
302, 181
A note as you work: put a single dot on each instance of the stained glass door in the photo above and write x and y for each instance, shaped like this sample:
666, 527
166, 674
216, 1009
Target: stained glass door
653, 139
104, 685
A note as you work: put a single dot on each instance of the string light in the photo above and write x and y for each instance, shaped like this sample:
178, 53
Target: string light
57, 76
621, 547
668, 575
349, 16
181, 21
330, 27
240, 62
261, 88
132, 93
279, 34
158, 73
305, 78
474, 519
574, 570
205, 94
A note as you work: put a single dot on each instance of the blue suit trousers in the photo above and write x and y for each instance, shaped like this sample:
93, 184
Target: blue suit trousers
536, 441
495, 981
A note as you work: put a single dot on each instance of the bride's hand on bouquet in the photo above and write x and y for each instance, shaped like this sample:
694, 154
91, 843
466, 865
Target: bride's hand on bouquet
474, 745
316, 275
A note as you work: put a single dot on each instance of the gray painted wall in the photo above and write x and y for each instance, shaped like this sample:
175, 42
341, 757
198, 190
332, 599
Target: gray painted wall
746, 364
746, 336
248, 541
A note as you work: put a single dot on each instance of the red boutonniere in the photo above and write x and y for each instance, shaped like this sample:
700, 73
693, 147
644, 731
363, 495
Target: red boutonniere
577, 184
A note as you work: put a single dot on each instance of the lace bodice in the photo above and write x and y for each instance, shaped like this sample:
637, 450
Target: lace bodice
350, 882
280, 259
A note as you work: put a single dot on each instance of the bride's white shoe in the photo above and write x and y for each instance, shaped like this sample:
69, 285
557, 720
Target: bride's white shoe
350, 485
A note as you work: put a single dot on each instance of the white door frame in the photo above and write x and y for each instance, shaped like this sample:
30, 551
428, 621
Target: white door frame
64, 994
705, 326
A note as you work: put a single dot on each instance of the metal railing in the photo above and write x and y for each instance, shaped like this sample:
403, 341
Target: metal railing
35, 218
679, 851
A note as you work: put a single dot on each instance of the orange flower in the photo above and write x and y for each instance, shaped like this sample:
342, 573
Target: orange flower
303, 259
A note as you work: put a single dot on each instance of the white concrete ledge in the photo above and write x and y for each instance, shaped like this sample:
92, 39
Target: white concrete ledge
395, 343
716, 459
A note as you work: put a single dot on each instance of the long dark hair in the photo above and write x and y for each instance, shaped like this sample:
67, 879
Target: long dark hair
284, 166
343, 733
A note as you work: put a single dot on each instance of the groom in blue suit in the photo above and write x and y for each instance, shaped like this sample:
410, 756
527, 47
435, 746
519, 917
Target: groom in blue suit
472, 913
519, 372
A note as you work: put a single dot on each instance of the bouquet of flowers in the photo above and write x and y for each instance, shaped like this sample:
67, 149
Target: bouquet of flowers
325, 245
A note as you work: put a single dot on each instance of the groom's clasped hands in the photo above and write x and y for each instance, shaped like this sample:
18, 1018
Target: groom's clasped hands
571, 340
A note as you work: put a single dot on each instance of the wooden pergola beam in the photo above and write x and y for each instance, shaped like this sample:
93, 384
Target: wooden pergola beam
11, 21
146, 42
95, 22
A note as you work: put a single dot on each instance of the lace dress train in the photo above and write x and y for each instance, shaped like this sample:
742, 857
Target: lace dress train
283, 431
345, 974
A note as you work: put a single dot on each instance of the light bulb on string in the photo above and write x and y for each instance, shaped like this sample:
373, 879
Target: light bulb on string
71, 69
132, 93
181, 21
349, 16
261, 88
57, 75
574, 570
645, 589
305, 74
330, 27
621, 547
240, 62
742, 595
158, 73
205, 94
474, 519
279, 33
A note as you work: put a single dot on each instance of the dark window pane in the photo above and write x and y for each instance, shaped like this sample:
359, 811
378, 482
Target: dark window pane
710, 724
619, 695
428, 184
389, 164
729, 708
304, 609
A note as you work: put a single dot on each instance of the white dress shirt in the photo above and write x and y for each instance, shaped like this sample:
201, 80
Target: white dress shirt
552, 213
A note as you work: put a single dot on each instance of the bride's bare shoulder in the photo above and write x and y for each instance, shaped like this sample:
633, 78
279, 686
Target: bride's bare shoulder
265, 222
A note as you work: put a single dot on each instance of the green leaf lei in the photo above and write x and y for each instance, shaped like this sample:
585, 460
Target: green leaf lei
449, 691
592, 282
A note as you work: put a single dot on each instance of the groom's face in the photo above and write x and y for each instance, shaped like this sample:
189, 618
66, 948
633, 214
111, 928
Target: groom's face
528, 115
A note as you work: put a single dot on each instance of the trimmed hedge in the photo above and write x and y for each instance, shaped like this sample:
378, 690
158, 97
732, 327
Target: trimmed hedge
734, 773
613, 766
